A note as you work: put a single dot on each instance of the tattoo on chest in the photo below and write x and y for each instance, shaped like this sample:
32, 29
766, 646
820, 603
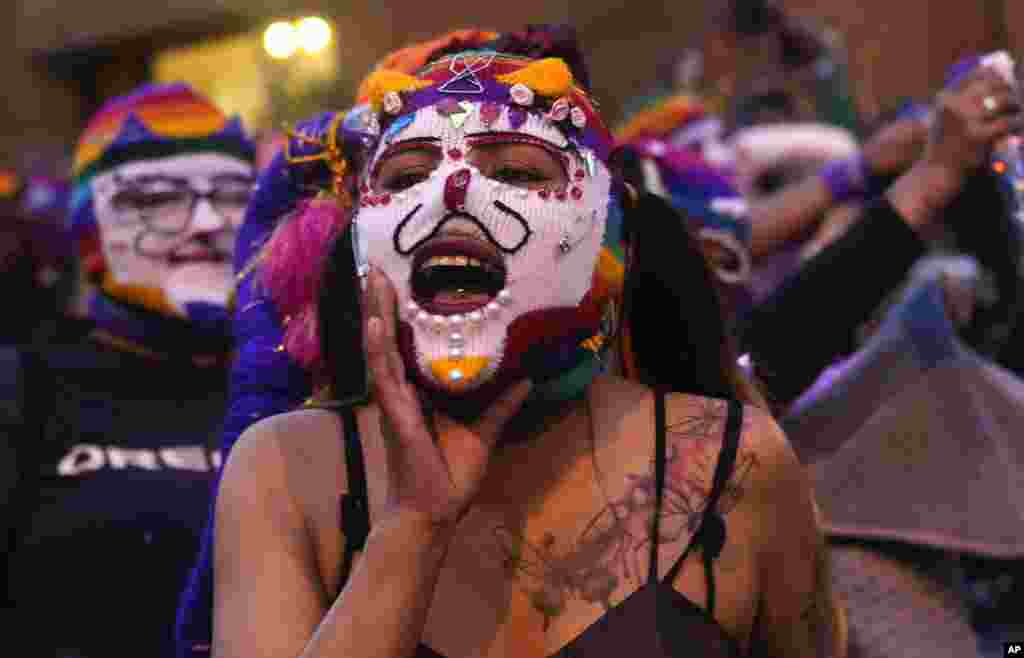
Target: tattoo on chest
550, 578
610, 549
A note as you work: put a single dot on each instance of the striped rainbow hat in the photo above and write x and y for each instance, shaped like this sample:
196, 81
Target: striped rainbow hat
151, 122
155, 121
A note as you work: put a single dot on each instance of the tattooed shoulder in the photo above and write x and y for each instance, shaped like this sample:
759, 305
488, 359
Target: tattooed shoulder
695, 430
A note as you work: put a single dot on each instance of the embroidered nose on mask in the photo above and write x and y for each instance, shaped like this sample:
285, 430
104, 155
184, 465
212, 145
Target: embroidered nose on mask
455, 189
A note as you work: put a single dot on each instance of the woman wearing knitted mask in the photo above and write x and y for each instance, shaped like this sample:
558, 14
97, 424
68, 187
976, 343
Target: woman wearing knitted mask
105, 441
500, 493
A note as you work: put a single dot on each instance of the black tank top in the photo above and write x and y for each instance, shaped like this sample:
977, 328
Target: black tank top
655, 621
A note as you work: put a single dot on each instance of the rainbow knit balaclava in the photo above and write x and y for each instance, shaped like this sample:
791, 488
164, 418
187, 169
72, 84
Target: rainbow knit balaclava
161, 178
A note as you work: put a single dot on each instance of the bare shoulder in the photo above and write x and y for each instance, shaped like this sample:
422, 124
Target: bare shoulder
780, 472
762, 433
288, 450
266, 564
270, 439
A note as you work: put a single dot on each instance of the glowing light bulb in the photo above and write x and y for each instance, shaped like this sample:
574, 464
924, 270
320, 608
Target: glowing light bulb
280, 40
314, 34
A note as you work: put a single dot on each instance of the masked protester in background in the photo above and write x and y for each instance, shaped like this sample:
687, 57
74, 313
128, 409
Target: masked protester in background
742, 193
713, 209
112, 434
766, 104
939, 203
472, 195
38, 264
674, 148
918, 559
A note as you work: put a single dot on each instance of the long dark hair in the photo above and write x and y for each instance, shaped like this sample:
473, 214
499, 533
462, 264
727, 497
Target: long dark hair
339, 320
677, 333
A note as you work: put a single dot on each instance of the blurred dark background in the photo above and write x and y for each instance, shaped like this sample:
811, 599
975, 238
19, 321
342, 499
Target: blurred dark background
60, 58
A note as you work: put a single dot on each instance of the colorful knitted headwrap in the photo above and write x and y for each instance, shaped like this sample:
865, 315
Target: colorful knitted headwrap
706, 195
664, 144
662, 118
152, 122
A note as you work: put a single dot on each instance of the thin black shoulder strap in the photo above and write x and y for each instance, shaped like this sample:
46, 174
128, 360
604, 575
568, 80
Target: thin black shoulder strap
659, 481
355, 505
711, 533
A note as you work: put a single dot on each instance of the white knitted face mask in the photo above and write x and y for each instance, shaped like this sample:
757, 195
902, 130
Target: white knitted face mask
169, 224
484, 224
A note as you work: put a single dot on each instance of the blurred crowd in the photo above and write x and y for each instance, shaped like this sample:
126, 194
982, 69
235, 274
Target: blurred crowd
868, 275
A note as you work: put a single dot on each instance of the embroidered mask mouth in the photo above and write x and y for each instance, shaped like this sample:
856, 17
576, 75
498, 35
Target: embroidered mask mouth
456, 274
193, 256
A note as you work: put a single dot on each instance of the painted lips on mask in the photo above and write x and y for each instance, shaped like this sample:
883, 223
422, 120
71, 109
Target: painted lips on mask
195, 250
192, 254
457, 270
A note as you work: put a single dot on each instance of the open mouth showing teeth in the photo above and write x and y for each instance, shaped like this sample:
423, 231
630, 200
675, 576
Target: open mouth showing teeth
456, 275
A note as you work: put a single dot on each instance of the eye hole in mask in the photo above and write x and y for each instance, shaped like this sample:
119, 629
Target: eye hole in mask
512, 159
519, 160
781, 175
726, 257
770, 182
406, 164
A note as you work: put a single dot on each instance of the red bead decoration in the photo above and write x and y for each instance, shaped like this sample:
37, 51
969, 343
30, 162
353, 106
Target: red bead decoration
489, 113
544, 193
579, 174
560, 195
577, 193
455, 189
455, 154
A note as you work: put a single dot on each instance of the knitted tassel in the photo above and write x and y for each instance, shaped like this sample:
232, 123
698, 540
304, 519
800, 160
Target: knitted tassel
381, 83
549, 77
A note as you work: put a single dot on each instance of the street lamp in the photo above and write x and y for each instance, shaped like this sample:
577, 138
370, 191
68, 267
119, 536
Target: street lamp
312, 35
281, 40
